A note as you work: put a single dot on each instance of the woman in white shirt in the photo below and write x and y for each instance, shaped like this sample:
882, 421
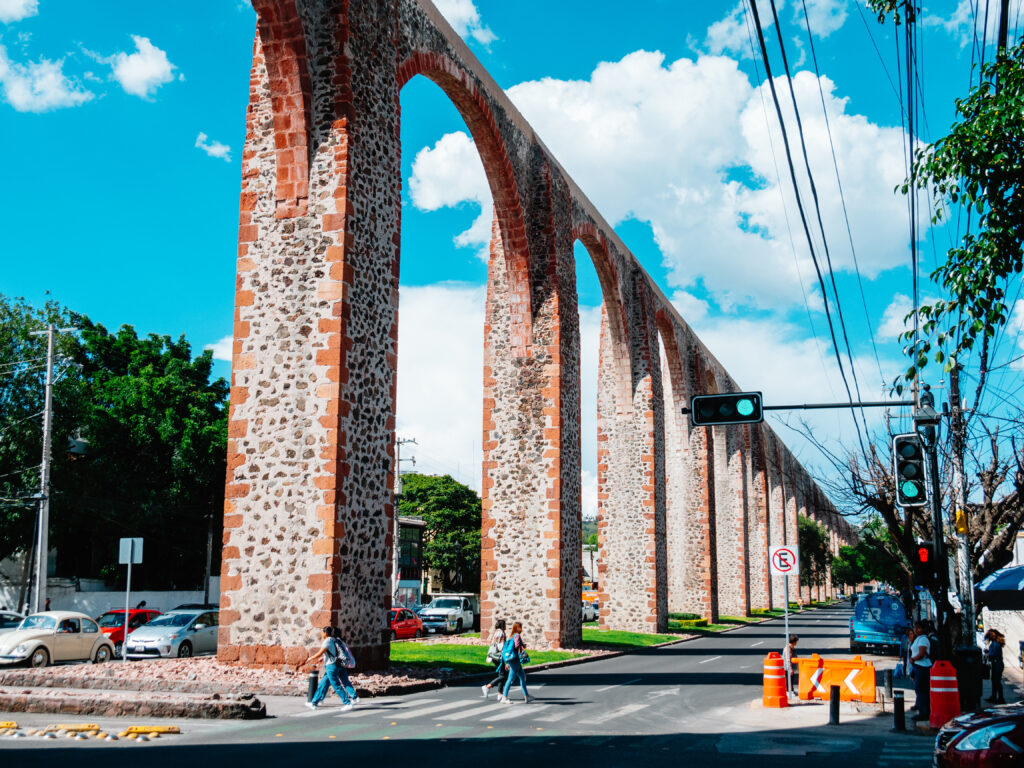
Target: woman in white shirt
921, 659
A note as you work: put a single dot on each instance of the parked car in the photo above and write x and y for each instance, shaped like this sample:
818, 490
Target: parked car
175, 633
404, 624
879, 620
112, 624
589, 611
447, 613
43, 638
196, 607
9, 621
990, 738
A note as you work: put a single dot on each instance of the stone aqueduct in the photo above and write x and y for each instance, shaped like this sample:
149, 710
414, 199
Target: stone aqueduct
685, 514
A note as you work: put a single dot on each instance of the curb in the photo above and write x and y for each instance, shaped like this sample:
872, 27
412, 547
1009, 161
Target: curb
243, 708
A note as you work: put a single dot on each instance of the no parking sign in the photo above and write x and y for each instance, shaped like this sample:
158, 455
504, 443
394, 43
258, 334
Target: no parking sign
784, 560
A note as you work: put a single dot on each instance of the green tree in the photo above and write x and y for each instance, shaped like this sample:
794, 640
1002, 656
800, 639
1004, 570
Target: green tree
815, 555
451, 538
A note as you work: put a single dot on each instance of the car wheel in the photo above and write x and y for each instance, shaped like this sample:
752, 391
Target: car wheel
102, 654
185, 650
39, 658
118, 649
392, 636
419, 633
458, 626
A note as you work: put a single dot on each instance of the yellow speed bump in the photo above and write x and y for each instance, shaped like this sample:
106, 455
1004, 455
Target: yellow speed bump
151, 729
75, 727
8, 724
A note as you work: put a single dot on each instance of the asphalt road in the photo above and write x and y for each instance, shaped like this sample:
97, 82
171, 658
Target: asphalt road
689, 702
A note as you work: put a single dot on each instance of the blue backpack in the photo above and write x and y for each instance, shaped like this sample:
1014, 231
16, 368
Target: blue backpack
508, 651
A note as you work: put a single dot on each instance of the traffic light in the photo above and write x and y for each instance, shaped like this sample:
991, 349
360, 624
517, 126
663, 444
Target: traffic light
733, 408
924, 565
909, 471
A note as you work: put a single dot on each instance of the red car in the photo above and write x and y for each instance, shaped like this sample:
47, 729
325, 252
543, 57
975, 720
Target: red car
991, 738
405, 623
112, 624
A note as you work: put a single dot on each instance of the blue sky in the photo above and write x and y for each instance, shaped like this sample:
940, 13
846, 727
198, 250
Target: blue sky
123, 124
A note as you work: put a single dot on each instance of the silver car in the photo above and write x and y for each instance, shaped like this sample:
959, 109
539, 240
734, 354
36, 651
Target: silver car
9, 621
175, 634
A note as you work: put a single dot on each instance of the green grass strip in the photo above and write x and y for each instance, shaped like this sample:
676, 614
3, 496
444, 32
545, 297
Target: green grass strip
461, 658
613, 638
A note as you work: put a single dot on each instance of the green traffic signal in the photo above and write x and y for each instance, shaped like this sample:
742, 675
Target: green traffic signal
732, 408
909, 470
744, 407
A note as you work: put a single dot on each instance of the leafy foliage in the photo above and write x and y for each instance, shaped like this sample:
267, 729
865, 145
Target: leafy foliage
815, 554
451, 540
875, 557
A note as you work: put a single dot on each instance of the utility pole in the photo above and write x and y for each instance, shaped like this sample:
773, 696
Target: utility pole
397, 554
42, 536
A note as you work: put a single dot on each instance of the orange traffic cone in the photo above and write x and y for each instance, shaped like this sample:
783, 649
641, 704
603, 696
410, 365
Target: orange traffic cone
774, 682
945, 696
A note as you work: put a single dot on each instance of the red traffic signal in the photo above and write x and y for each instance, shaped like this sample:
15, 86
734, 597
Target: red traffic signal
924, 554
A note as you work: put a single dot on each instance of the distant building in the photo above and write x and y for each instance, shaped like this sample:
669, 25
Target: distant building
410, 561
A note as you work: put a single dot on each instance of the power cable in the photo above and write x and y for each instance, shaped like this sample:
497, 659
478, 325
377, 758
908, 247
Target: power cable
817, 208
800, 208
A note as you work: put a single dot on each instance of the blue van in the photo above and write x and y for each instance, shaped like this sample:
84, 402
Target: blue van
880, 620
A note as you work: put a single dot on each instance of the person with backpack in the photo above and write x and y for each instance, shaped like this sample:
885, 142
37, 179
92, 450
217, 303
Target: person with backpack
337, 661
514, 655
494, 657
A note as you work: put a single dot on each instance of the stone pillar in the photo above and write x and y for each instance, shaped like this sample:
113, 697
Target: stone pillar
731, 520
777, 512
631, 501
758, 521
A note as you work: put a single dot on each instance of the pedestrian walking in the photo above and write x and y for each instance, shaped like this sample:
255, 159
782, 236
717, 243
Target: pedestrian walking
788, 654
337, 661
498, 639
514, 655
46, 605
996, 640
921, 671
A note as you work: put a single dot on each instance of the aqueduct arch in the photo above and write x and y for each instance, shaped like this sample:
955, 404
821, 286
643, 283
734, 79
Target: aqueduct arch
685, 512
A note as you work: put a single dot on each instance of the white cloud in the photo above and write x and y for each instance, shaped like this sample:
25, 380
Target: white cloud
142, 72
451, 173
960, 24
731, 33
16, 10
1016, 327
465, 20
39, 86
213, 148
893, 323
689, 306
223, 348
826, 16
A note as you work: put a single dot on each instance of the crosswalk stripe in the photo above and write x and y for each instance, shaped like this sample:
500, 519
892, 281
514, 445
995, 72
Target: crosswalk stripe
476, 709
614, 713
558, 714
374, 709
520, 711
429, 710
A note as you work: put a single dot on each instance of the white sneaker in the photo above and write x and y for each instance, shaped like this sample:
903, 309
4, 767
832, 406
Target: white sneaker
355, 699
530, 698
347, 707
504, 699
354, 702
485, 690
310, 705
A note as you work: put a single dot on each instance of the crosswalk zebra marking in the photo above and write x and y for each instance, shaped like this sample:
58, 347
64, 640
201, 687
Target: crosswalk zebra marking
615, 713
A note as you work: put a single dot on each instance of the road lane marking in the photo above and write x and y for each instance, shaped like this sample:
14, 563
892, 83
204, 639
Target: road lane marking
713, 658
760, 642
428, 711
617, 685
377, 710
523, 710
614, 713
557, 715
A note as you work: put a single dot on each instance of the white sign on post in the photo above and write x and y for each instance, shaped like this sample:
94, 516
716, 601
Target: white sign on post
130, 553
785, 560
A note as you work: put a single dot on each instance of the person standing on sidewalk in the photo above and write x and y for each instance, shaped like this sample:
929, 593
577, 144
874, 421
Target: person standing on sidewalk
921, 671
996, 640
514, 655
494, 656
336, 658
788, 654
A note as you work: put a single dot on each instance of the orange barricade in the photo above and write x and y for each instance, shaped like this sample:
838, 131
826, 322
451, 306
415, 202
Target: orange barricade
945, 696
774, 682
855, 678
811, 671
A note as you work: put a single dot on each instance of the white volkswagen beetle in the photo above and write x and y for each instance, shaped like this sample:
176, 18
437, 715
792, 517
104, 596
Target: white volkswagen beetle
43, 638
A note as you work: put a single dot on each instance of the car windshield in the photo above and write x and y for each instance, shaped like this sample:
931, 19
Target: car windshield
882, 609
112, 620
38, 622
172, 620
446, 604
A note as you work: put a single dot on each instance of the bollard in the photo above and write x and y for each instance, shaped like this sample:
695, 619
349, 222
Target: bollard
314, 681
833, 705
899, 717
887, 683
